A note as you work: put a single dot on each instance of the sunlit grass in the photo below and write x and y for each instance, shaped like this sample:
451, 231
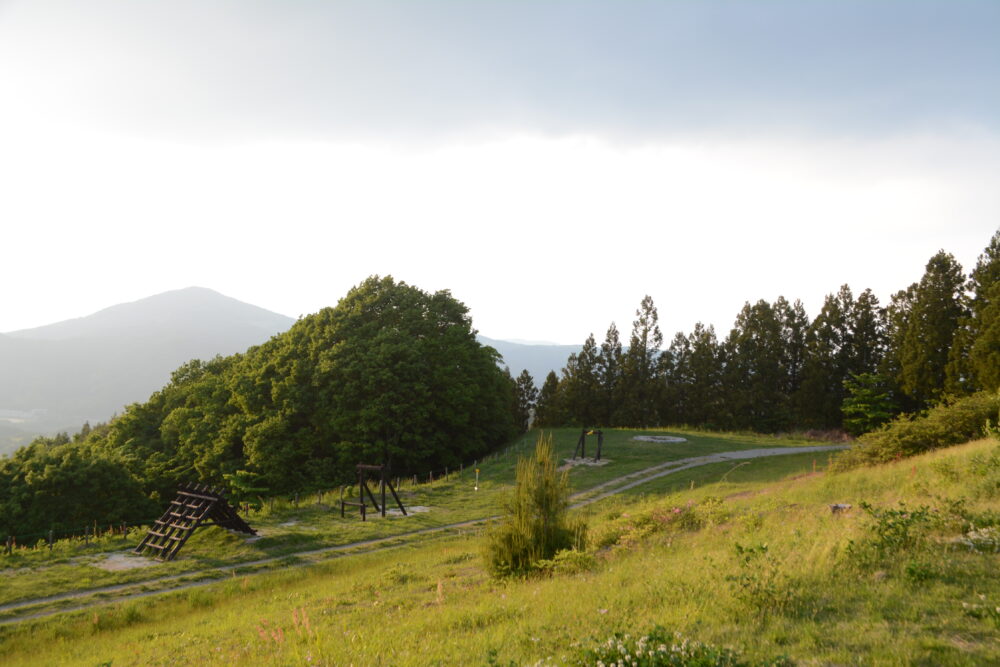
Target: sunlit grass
314, 522
433, 603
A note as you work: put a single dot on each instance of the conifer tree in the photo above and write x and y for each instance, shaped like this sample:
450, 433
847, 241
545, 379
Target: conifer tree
897, 320
580, 387
867, 340
822, 391
794, 325
971, 364
754, 379
608, 368
535, 524
939, 303
640, 364
547, 409
675, 372
527, 397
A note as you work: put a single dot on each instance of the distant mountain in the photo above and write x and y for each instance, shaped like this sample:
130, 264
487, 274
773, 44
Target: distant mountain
538, 359
55, 377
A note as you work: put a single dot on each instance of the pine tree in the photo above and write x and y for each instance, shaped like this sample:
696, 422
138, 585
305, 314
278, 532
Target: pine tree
581, 394
676, 381
937, 308
527, 397
897, 321
867, 341
971, 361
640, 364
822, 391
548, 412
754, 379
535, 525
794, 324
608, 368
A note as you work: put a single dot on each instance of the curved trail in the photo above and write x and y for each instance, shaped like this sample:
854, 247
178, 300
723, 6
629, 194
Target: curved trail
582, 498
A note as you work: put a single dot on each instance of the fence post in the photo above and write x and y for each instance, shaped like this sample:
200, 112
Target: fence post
51, 540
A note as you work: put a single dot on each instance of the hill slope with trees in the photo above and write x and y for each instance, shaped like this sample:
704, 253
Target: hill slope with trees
61, 375
391, 369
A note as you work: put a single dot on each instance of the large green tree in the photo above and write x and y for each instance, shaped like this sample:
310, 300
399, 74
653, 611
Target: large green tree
640, 384
938, 306
390, 370
580, 387
609, 376
754, 380
972, 361
527, 398
548, 409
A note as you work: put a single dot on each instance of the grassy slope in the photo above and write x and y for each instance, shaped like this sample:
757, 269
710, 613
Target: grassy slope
311, 525
434, 603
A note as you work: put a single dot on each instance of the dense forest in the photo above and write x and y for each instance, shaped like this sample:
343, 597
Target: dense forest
854, 366
391, 370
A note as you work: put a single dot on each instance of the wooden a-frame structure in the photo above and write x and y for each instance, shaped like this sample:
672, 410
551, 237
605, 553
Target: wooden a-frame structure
381, 474
196, 505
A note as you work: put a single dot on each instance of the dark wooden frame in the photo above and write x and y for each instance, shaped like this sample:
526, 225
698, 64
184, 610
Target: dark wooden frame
581, 445
194, 507
384, 483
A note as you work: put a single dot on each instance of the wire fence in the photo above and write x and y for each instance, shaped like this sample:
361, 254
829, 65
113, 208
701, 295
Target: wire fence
111, 535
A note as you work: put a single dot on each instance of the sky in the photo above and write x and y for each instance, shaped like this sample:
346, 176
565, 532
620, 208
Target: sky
548, 162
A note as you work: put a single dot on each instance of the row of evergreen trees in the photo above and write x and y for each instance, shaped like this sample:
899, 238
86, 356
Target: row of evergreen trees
853, 366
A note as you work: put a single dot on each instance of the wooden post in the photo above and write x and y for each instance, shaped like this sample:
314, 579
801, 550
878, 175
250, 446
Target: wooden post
50, 541
382, 481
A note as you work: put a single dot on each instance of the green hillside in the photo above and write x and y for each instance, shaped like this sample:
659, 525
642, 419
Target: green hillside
751, 562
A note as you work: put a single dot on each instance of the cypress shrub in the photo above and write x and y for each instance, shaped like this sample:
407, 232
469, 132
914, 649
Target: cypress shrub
535, 525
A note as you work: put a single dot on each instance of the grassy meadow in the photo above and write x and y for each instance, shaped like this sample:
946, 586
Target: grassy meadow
314, 523
751, 559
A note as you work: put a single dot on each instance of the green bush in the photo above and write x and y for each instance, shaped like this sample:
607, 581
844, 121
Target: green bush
892, 532
760, 585
947, 424
535, 525
568, 561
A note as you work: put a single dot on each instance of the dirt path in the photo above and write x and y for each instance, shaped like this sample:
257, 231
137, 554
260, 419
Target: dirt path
583, 498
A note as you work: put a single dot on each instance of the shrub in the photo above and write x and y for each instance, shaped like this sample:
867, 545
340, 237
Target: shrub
535, 525
760, 584
950, 423
890, 533
568, 561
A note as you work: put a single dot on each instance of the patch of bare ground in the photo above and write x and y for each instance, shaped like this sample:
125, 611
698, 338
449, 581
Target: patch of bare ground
120, 562
572, 463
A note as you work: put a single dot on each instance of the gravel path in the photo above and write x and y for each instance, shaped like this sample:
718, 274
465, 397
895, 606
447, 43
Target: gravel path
582, 499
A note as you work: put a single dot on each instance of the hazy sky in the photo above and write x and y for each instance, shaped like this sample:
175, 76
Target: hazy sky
549, 162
